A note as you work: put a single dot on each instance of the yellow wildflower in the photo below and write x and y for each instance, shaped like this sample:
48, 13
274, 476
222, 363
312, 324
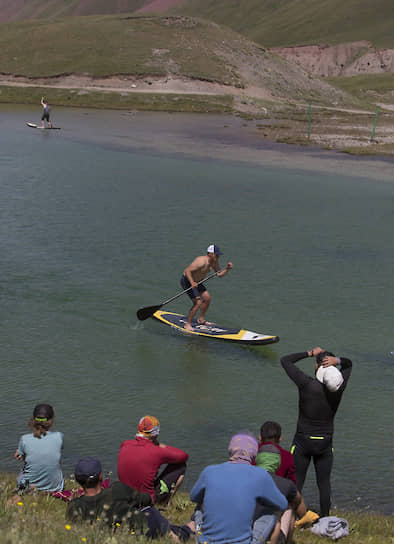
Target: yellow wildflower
67, 527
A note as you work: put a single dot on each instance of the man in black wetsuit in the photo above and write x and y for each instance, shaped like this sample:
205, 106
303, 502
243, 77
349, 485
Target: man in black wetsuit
317, 405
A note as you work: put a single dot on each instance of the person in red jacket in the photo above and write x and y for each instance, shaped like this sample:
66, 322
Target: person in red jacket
139, 461
271, 433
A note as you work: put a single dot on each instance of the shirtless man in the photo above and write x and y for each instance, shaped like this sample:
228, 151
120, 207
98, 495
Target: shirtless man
196, 272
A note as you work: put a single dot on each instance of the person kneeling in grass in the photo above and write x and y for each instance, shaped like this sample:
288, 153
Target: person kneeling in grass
118, 504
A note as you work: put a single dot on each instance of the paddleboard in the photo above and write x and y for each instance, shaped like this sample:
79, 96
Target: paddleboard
241, 336
33, 125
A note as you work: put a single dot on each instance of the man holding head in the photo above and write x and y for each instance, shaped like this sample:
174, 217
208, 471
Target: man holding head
139, 461
318, 401
196, 272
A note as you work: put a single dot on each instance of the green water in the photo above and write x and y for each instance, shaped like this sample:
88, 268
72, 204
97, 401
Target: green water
100, 218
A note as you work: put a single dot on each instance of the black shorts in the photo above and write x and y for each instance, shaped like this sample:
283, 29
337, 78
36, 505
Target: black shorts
196, 291
45, 117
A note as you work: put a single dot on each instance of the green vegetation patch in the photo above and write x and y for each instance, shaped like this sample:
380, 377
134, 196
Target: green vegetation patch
361, 85
297, 22
37, 518
112, 100
114, 45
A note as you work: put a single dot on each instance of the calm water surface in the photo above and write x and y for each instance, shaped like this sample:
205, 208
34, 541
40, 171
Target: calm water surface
100, 218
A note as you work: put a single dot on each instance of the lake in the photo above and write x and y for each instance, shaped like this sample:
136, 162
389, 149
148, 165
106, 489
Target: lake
101, 217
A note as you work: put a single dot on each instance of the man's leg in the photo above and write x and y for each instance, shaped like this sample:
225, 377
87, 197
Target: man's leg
206, 300
323, 466
263, 527
168, 482
302, 458
196, 306
287, 524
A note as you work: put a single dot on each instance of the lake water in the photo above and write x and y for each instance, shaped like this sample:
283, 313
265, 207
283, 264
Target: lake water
100, 218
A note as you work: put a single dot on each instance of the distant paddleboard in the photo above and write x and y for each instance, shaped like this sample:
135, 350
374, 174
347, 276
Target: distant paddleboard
218, 332
33, 125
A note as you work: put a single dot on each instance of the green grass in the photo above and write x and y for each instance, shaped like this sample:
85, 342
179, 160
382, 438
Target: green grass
361, 85
49, 9
295, 22
107, 45
113, 100
39, 519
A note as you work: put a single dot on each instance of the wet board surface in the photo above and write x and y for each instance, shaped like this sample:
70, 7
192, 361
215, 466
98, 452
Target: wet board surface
218, 332
34, 125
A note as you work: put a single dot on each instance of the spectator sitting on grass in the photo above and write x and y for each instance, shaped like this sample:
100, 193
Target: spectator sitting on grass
118, 503
269, 458
139, 462
226, 494
41, 453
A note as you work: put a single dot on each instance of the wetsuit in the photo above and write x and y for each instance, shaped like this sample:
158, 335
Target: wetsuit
316, 411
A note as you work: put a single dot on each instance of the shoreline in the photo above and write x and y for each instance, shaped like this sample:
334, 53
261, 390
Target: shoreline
221, 136
348, 131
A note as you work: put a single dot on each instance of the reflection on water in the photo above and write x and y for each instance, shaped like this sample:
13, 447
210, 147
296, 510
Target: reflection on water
100, 218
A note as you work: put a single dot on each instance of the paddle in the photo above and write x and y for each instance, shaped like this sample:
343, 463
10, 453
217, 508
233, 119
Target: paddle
148, 311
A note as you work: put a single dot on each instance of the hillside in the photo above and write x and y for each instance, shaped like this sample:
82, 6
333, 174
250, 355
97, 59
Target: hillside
156, 52
20, 10
300, 22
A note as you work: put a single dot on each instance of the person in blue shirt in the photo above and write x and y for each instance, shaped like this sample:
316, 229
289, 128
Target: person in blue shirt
227, 494
41, 452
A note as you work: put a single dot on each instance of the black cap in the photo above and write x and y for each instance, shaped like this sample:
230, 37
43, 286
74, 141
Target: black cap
43, 412
88, 467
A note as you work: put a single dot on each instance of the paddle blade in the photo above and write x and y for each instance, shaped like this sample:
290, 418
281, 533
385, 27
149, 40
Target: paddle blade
144, 313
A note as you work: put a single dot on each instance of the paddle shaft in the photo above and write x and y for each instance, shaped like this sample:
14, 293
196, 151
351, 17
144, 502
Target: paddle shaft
144, 313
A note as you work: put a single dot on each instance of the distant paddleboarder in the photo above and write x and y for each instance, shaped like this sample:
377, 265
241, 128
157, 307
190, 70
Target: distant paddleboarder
45, 113
196, 272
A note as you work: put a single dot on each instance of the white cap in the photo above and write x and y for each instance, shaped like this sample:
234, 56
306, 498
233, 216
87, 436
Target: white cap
330, 376
212, 248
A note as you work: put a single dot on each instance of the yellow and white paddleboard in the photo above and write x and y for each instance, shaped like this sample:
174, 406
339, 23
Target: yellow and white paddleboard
242, 336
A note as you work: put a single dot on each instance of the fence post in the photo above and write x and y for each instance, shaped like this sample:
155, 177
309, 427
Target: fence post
374, 123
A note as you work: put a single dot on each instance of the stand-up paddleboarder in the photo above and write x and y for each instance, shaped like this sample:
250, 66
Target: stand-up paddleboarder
45, 113
197, 272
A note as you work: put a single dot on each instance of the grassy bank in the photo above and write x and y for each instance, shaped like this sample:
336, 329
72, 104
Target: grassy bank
107, 45
117, 100
38, 518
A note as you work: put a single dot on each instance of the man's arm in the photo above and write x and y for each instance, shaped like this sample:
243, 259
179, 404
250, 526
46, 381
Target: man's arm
343, 364
170, 454
346, 368
298, 376
224, 271
271, 494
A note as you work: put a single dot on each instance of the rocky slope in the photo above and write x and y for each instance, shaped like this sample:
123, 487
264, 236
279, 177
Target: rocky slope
346, 59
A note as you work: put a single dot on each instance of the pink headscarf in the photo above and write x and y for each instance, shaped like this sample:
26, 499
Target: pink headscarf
243, 448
